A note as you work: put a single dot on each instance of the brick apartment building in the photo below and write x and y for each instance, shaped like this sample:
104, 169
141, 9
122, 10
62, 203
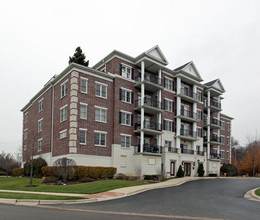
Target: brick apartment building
134, 114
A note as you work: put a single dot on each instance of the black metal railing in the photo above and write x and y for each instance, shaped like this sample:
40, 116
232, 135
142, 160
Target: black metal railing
148, 148
149, 125
200, 153
215, 156
150, 78
188, 133
215, 104
213, 138
149, 102
187, 151
190, 94
189, 114
215, 121
172, 150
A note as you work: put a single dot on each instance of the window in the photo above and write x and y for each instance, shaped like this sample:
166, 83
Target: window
228, 126
26, 117
40, 125
63, 114
168, 143
215, 151
125, 118
126, 71
63, 134
199, 114
40, 145
168, 125
125, 141
199, 132
168, 84
83, 111
227, 140
198, 148
82, 136
168, 105
83, 85
199, 95
126, 95
25, 148
64, 89
100, 114
222, 139
25, 134
221, 154
100, 139
40, 105
227, 155
222, 125
101, 90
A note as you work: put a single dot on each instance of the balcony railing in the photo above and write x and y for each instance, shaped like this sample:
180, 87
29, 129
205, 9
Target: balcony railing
213, 138
189, 114
186, 151
172, 150
215, 104
150, 78
150, 102
147, 148
188, 133
215, 156
200, 153
189, 93
215, 121
149, 125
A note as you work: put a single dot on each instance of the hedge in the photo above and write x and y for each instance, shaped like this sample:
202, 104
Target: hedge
18, 171
82, 172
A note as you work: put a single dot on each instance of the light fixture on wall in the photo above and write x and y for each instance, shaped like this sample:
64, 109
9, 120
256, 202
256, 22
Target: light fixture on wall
182, 163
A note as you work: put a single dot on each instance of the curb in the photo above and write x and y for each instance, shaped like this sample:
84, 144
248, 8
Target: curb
251, 195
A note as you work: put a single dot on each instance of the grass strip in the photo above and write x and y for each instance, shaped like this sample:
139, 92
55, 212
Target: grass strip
7, 195
257, 192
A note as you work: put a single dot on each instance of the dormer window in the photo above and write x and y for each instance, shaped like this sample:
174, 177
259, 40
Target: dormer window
126, 71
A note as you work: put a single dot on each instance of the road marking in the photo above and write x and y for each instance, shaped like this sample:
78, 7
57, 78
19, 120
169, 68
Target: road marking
133, 214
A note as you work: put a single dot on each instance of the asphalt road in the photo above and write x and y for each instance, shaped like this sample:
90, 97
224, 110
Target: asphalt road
216, 198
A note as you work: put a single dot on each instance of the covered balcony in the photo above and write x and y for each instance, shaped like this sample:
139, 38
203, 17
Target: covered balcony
188, 115
148, 148
150, 106
188, 95
150, 128
214, 123
188, 135
152, 83
214, 139
214, 105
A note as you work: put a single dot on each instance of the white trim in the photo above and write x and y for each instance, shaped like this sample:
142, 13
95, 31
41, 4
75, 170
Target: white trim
124, 78
126, 65
129, 90
166, 119
126, 112
85, 130
101, 108
66, 81
168, 90
126, 134
86, 85
97, 131
65, 106
38, 144
86, 105
63, 132
83, 103
101, 83
96, 106
168, 99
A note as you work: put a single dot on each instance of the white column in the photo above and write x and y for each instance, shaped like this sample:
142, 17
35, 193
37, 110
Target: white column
178, 108
194, 109
142, 109
178, 85
208, 127
159, 116
219, 129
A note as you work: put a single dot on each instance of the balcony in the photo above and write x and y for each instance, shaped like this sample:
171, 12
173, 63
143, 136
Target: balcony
150, 128
147, 148
187, 151
214, 156
188, 95
201, 153
188, 115
214, 123
150, 106
214, 106
214, 139
172, 150
188, 135
152, 83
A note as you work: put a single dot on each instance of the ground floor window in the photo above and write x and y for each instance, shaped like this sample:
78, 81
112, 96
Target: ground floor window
172, 168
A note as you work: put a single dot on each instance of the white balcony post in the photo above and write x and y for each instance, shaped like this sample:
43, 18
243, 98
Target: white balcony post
194, 110
142, 109
159, 116
208, 127
178, 109
219, 128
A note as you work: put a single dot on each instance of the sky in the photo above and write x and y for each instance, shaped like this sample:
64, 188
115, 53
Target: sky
221, 37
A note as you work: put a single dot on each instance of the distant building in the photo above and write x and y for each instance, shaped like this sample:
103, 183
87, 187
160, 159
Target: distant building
134, 114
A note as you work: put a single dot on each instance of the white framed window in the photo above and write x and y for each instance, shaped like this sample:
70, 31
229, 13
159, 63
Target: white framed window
227, 140
126, 95
125, 118
63, 134
199, 95
83, 110
63, 113
168, 125
100, 114
168, 143
221, 154
199, 114
25, 134
83, 85
40, 105
40, 144
222, 125
228, 126
215, 151
199, 132
64, 89
227, 155
126, 71
40, 122
100, 138
168, 84
222, 139
26, 117
198, 148
82, 136
25, 148
168, 105
125, 140
101, 90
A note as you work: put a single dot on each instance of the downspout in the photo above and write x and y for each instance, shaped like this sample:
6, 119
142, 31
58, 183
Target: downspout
52, 114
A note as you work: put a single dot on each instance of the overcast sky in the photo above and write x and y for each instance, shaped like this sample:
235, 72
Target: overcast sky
221, 37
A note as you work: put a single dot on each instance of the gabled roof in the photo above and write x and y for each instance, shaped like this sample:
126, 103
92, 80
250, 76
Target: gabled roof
157, 54
190, 69
216, 84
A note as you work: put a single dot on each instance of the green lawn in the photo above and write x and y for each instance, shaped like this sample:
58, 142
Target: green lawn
8, 195
18, 183
257, 192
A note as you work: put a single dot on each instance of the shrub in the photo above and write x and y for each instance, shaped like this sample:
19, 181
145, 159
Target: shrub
17, 171
213, 175
180, 172
48, 171
2, 173
229, 169
201, 170
37, 166
50, 179
151, 177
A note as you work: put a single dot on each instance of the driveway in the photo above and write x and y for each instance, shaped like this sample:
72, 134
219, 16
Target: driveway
213, 198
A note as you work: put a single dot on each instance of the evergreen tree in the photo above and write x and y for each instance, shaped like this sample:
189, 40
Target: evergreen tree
201, 170
180, 172
78, 57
